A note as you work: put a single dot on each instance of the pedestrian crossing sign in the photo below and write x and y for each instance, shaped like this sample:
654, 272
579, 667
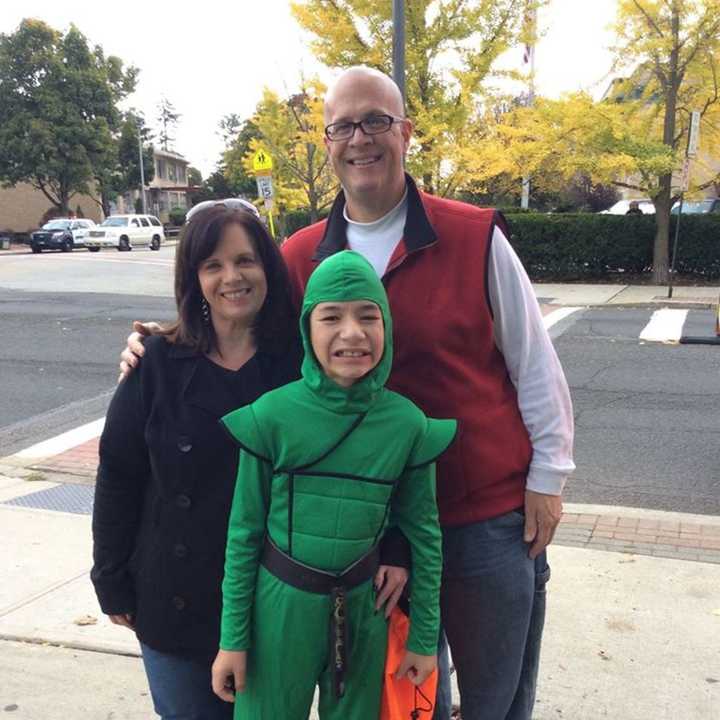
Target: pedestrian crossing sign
262, 162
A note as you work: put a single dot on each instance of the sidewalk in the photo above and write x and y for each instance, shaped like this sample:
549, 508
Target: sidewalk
586, 294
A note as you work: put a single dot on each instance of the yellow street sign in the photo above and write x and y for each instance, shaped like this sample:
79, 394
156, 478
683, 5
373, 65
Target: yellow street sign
262, 162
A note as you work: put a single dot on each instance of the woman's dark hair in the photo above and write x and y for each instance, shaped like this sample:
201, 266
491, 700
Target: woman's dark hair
274, 326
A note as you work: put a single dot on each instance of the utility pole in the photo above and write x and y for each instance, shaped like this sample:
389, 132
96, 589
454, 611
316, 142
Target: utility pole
399, 45
142, 172
690, 152
529, 57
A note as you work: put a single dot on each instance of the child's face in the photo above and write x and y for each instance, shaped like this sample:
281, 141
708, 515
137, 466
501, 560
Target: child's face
348, 339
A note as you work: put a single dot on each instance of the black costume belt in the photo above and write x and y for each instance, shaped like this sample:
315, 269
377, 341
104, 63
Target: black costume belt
310, 579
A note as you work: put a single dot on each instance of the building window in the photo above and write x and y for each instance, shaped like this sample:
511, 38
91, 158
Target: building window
160, 163
172, 172
181, 175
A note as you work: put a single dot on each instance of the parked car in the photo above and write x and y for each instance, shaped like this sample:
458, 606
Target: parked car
61, 234
125, 232
698, 207
622, 206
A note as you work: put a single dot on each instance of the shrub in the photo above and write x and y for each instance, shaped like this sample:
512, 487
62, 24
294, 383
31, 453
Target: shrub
177, 216
586, 246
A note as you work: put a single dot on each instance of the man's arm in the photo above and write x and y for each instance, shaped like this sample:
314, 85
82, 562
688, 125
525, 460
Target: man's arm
543, 395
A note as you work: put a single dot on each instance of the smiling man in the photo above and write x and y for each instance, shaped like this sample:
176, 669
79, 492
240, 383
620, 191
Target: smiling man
469, 344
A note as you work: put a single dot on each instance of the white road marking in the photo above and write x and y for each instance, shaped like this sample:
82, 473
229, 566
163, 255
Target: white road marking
665, 326
557, 315
66, 441
93, 258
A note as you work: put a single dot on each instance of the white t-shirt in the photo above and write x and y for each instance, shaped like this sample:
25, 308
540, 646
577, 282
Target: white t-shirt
376, 241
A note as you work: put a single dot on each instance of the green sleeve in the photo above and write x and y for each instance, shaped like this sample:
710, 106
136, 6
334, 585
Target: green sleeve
246, 532
414, 511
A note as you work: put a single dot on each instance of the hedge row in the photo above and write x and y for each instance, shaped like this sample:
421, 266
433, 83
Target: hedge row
584, 246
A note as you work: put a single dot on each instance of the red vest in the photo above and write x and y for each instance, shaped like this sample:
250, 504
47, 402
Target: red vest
445, 358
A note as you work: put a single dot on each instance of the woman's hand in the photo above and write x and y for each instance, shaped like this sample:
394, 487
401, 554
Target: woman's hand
130, 356
416, 668
228, 674
125, 619
390, 581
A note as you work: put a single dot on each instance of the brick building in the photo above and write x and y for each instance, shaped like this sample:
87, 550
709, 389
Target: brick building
23, 208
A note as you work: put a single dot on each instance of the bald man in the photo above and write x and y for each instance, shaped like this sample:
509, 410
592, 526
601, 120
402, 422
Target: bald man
470, 343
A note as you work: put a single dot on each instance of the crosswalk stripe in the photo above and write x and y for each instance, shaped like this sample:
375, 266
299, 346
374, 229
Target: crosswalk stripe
665, 326
67, 440
557, 315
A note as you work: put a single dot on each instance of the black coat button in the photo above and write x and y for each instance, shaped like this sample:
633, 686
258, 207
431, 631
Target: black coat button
183, 502
180, 550
184, 444
178, 602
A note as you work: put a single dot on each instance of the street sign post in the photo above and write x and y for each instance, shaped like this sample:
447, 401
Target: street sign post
262, 167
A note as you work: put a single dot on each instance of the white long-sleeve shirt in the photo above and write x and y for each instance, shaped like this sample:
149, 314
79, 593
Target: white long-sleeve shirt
521, 337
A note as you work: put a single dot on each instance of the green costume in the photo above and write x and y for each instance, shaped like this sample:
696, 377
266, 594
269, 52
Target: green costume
323, 470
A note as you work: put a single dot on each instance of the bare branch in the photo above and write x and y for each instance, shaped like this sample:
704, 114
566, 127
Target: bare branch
648, 19
628, 186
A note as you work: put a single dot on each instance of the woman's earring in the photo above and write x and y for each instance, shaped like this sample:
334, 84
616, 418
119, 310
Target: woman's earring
205, 311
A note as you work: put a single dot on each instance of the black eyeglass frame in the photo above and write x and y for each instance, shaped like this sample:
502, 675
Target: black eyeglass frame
392, 120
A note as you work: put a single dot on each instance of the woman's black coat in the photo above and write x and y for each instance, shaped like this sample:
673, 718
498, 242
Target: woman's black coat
164, 490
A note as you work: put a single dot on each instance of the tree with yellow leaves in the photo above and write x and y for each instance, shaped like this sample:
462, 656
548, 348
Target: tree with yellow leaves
451, 48
291, 131
636, 137
674, 47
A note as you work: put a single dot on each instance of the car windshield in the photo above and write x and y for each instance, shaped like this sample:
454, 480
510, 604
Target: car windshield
700, 206
115, 222
56, 225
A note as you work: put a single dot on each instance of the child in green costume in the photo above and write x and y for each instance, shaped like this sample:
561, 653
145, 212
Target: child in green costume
326, 463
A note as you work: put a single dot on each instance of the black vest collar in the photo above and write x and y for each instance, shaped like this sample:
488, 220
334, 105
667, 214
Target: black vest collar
417, 234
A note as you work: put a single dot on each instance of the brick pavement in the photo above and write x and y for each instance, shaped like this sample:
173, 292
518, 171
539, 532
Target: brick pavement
81, 461
660, 538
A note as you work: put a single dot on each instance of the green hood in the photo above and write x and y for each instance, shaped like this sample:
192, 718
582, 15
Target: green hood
344, 277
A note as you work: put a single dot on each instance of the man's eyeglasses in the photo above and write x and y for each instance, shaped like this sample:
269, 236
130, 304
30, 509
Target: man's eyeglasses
230, 203
371, 125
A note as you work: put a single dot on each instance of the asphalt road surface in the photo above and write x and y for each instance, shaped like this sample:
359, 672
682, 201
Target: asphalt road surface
648, 429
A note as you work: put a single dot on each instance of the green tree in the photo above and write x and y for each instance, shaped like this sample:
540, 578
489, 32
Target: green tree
118, 171
58, 110
168, 118
451, 49
238, 136
194, 177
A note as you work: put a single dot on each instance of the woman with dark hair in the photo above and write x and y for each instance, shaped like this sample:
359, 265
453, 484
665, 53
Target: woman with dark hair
167, 470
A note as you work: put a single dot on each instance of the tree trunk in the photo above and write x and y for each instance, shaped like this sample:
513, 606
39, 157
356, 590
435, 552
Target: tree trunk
64, 203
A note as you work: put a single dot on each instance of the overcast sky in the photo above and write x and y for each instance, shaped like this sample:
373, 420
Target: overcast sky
215, 59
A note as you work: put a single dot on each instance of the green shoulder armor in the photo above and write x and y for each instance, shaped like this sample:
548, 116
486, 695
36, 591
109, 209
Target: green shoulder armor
243, 427
432, 441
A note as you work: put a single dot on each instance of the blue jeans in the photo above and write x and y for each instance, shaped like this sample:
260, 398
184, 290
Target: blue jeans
181, 689
493, 612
